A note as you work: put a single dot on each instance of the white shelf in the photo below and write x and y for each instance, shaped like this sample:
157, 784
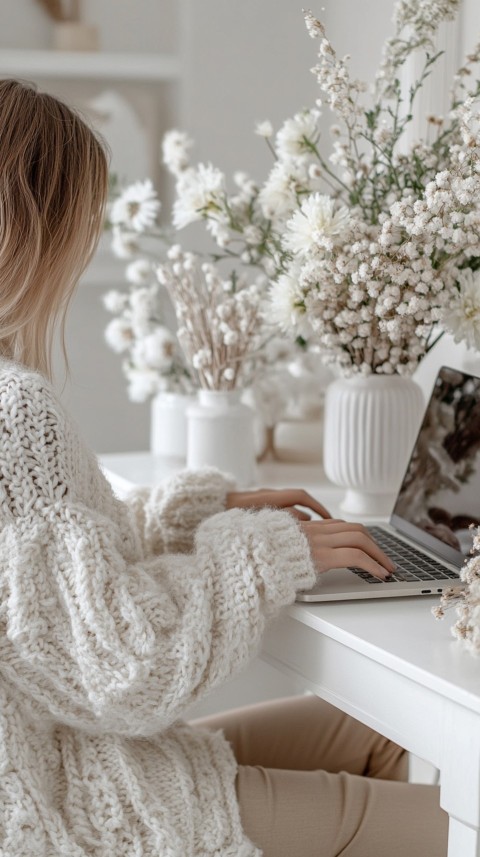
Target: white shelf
88, 64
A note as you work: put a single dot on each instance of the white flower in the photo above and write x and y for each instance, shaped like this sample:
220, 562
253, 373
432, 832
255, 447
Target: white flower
286, 304
314, 27
137, 207
462, 317
119, 334
124, 244
199, 192
315, 225
252, 234
114, 301
156, 350
298, 134
143, 383
176, 147
139, 272
144, 306
277, 197
264, 129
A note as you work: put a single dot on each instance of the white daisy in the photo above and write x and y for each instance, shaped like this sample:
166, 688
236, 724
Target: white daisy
142, 383
462, 317
119, 334
294, 136
156, 350
277, 197
139, 272
137, 207
124, 244
114, 301
176, 147
316, 226
199, 192
144, 307
264, 128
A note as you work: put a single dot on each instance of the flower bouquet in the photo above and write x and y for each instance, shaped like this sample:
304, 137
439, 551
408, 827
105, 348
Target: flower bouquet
371, 251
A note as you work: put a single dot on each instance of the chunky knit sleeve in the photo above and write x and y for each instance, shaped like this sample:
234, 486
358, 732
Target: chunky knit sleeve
168, 515
97, 636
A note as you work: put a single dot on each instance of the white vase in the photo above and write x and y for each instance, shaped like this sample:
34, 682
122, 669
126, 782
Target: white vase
168, 426
220, 434
369, 429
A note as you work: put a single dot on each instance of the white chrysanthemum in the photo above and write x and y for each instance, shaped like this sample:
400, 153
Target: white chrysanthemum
286, 304
114, 301
137, 207
124, 244
119, 334
462, 317
199, 191
139, 272
176, 147
264, 128
296, 134
315, 226
277, 197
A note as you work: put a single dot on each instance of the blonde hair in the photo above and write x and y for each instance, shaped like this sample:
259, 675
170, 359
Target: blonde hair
53, 191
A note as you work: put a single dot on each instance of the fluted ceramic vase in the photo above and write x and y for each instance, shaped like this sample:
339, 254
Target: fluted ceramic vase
369, 429
220, 433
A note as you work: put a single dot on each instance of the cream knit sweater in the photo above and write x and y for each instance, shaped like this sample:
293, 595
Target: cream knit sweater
114, 617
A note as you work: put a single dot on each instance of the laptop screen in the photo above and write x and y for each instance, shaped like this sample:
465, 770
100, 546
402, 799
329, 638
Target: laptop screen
439, 498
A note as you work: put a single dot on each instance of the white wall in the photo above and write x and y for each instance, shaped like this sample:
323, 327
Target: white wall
247, 60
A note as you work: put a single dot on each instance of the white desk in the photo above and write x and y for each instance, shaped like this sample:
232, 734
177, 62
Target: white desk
389, 663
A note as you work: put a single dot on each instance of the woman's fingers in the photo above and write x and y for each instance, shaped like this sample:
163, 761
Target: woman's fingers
298, 513
340, 544
285, 498
298, 497
356, 558
357, 540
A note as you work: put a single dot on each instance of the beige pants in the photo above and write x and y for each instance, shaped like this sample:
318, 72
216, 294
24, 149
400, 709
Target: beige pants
313, 782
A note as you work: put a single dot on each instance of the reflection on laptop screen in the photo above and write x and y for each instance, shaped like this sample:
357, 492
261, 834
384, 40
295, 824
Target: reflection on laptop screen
440, 493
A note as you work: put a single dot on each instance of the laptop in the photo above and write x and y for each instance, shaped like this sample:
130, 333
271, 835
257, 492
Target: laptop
430, 533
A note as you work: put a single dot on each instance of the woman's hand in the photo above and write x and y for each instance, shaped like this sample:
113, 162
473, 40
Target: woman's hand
340, 544
287, 499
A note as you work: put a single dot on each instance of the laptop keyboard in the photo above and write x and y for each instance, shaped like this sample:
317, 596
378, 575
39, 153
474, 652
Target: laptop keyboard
411, 563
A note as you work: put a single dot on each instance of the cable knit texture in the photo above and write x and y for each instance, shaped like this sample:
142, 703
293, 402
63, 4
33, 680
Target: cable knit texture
114, 617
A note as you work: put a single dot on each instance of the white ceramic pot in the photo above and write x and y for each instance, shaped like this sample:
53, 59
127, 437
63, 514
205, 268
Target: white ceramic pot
369, 429
220, 434
168, 426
